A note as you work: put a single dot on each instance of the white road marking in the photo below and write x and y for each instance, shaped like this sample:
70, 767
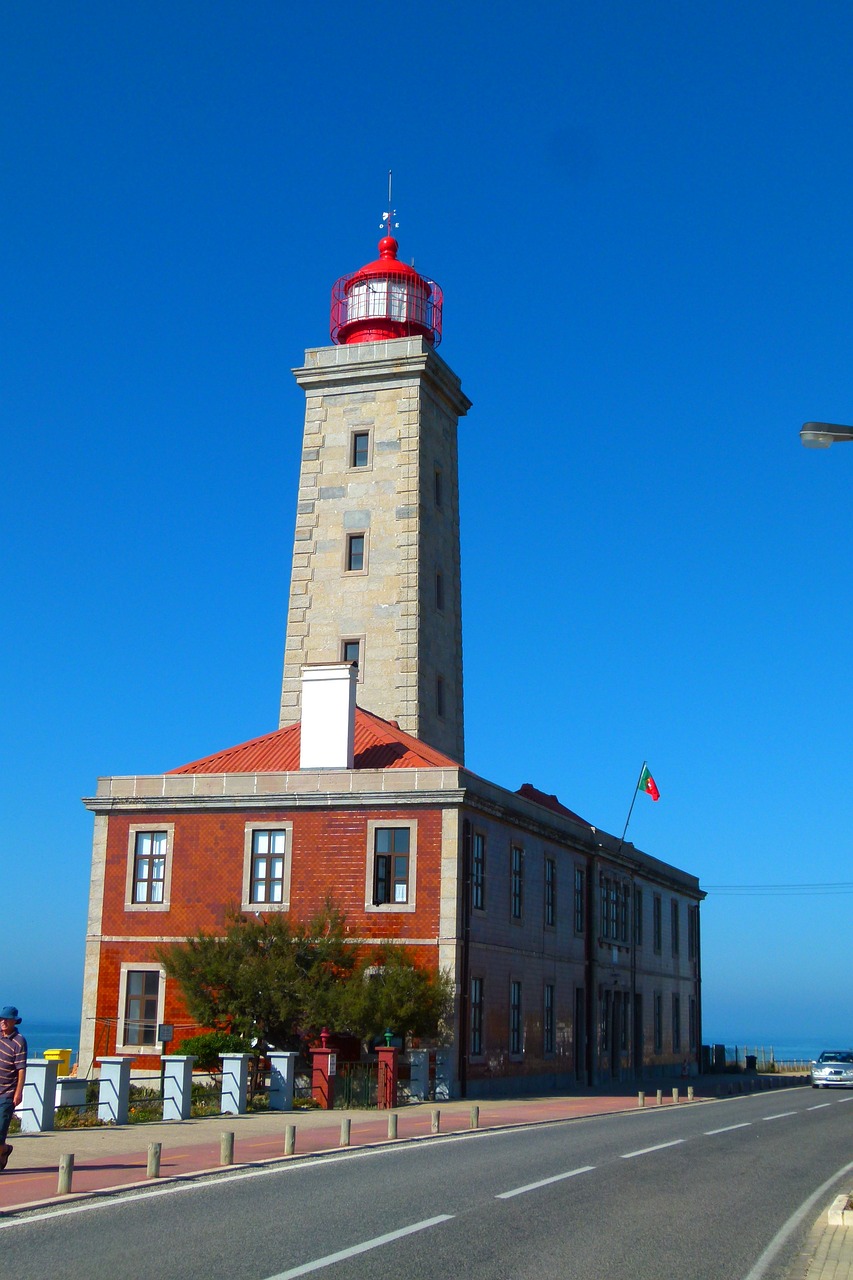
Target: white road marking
845, 1099
661, 1146
819, 1106
746, 1124
780, 1115
201, 1179
375, 1243
765, 1260
544, 1182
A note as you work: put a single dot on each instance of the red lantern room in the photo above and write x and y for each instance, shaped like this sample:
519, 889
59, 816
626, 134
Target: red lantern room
386, 299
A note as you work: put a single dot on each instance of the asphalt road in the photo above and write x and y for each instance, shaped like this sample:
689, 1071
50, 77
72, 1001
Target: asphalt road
700, 1191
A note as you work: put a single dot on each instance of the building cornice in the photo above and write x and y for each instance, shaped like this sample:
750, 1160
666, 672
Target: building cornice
371, 789
381, 365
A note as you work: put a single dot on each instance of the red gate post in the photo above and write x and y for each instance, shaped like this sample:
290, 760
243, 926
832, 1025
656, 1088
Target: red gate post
386, 1082
324, 1064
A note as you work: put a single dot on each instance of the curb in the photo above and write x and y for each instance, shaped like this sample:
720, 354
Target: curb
102, 1193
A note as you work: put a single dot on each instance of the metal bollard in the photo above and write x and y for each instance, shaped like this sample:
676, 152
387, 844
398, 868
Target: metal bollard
153, 1170
660, 1097
435, 1126
289, 1139
392, 1124
675, 1095
475, 1117
641, 1099
66, 1171
346, 1128
226, 1148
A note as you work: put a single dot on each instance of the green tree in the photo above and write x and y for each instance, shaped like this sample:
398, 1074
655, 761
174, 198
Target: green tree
390, 991
271, 979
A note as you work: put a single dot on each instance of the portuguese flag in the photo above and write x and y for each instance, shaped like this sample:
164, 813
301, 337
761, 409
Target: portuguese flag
648, 784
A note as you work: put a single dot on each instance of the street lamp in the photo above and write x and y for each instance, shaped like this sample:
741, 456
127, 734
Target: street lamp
820, 435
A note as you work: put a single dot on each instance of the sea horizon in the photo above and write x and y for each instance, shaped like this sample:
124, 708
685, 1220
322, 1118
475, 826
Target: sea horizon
64, 1033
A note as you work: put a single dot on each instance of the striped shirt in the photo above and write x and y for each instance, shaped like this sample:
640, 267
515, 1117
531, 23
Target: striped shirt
13, 1058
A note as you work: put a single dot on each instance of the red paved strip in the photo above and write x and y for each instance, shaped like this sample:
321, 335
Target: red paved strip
21, 1185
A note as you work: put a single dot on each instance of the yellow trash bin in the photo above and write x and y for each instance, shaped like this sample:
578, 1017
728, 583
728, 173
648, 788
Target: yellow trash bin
62, 1057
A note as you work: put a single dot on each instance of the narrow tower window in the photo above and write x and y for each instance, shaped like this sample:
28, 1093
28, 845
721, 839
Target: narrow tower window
350, 651
439, 590
439, 697
437, 490
360, 449
355, 561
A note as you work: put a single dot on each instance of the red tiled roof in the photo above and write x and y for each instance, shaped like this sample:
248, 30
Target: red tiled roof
548, 802
379, 744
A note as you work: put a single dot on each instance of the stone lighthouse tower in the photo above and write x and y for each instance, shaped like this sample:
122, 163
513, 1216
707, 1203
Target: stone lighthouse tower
376, 565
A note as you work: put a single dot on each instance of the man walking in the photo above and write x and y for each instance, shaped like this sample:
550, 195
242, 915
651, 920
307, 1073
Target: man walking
13, 1069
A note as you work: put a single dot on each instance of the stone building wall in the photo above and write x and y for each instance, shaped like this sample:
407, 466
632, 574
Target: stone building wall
405, 504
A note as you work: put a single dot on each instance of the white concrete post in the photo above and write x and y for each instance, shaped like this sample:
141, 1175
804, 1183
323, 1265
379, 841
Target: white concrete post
282, 1074
177, 1085
114, 1089
443, 1066
39, 1100
419, 1078
235, 1082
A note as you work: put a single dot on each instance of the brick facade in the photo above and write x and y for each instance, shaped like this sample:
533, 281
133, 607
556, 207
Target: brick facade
563, 999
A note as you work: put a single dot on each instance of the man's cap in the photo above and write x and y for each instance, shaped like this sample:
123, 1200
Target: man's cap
9, 1011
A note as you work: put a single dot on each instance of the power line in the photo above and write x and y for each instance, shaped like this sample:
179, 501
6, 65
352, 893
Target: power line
783, 890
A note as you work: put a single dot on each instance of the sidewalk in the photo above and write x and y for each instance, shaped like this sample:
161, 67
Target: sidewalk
116, 1158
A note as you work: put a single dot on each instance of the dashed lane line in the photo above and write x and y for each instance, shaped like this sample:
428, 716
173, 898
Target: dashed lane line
745, 1124
661, 1146
376, 1243
544, 1182
780, 1115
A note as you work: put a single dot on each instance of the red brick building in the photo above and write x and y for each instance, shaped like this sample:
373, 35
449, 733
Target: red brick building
575, 959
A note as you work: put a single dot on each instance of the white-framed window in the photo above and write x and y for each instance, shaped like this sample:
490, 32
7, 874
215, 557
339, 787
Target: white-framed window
392, 860
266, 866
675, 932
149, 866
141, 994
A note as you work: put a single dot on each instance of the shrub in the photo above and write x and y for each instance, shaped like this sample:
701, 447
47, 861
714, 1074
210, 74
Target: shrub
208, 1046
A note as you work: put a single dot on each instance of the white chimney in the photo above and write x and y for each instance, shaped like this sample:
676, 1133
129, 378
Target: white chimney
328, 716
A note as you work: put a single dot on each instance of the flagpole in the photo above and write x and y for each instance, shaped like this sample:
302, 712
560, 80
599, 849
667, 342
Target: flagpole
631, 810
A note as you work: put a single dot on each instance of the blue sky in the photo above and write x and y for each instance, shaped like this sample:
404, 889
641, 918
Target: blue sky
640, 217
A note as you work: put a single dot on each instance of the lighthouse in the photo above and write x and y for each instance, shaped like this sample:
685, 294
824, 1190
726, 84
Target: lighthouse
375, 576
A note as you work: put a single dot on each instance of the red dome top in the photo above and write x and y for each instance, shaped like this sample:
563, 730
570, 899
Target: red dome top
386, 299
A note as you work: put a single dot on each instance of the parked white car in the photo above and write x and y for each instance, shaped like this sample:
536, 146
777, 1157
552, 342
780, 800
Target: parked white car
833, 1067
